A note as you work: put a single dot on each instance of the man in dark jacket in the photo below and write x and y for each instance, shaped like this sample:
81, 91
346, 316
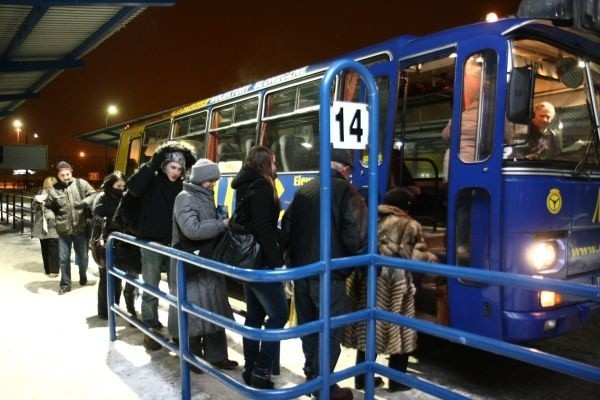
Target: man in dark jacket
147, 210
348, 237
65, 205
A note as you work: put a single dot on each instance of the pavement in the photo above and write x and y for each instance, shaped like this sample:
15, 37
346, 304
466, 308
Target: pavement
55, 347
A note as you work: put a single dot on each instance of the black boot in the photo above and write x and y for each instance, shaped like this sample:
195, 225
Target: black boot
359, 380
261, 378
399, 362
247, 376
129, 294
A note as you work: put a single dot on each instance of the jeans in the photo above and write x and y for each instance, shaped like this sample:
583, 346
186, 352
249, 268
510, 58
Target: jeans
306, 300
152, 265
80, 244
263, 300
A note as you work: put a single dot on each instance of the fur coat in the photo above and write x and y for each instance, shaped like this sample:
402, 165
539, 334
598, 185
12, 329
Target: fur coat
398, 235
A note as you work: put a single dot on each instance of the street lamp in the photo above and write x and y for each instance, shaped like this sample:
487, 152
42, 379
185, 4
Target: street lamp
35, 136
17, 124
110, 110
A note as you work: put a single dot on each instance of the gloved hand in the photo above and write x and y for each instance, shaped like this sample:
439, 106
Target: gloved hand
79, 205
158, 158
40, 198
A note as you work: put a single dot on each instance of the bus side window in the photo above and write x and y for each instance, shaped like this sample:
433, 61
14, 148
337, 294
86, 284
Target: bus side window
229, 152
295, 153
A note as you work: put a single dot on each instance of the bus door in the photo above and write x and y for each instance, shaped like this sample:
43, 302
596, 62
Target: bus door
354, 90
475, 137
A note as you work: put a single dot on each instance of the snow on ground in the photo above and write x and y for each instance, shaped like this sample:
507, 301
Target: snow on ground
54, 347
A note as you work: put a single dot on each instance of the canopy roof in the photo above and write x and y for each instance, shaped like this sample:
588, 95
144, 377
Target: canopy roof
40, 39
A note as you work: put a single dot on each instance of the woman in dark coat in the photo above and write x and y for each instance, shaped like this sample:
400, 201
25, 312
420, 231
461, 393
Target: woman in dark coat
103, 210
195, 228
257, 201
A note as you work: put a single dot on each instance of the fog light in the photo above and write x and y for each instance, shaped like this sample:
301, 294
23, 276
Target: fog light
549, 299
549, 325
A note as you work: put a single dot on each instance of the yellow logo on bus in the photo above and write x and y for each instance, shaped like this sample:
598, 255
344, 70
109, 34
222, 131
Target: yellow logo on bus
554, 201
596, 217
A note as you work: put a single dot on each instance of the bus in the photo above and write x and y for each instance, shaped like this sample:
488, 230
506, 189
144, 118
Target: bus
482, 201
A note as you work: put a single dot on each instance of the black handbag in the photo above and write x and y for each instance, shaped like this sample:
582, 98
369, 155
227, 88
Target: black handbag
238, 246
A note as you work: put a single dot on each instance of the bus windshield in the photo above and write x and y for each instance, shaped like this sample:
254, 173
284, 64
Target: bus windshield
562, 131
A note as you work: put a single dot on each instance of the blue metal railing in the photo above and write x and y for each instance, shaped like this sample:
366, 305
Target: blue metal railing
324, 268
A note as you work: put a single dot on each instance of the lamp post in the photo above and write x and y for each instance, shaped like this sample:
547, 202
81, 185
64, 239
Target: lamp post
110, 110
17, 124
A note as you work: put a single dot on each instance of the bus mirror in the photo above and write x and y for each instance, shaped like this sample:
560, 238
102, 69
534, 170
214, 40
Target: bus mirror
520, 93
569, 72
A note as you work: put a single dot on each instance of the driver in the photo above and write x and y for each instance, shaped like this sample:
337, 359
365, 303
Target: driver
543, 142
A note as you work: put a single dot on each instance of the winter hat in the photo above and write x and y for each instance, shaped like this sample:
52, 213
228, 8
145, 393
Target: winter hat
175, 156
400, 197
343, 156
63, 165
204, 170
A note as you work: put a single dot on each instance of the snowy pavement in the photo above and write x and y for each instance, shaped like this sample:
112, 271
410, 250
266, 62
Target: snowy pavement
54, 347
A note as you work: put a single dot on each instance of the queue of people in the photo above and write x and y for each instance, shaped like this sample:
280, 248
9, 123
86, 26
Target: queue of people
156, 205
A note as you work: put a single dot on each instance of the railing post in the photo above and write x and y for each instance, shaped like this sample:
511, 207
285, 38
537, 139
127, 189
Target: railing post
21, 215
13, 210
325, 214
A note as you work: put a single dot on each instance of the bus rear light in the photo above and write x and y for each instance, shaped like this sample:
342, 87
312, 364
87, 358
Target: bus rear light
549, 299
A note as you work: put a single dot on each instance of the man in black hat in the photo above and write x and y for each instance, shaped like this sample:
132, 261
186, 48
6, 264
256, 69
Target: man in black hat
66, 206
348, 237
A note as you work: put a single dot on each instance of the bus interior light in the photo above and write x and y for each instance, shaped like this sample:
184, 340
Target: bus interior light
549, 299
543, 255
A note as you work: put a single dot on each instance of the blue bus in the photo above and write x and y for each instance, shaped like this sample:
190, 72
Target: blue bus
455, 112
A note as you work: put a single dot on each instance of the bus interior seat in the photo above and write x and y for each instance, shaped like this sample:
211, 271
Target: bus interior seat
294, 155
229, 152
249, 144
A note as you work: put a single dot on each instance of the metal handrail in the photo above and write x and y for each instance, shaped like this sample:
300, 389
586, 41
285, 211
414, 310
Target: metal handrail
324, 267
18, 207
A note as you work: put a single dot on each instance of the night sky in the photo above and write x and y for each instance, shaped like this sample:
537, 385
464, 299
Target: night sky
170, 56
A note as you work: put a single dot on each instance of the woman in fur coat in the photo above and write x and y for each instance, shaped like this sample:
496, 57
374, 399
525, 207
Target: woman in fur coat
398, 235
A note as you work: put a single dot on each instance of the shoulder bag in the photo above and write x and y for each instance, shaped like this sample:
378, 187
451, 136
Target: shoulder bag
238, 245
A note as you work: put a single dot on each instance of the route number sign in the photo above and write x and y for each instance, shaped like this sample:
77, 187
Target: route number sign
349, 125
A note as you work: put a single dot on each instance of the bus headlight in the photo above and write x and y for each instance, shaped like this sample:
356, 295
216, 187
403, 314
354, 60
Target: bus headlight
549, 299
543, 255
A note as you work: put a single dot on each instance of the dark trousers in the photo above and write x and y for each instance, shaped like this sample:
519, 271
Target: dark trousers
212, 346
306, 300
128, 294
263, 300
50, 255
